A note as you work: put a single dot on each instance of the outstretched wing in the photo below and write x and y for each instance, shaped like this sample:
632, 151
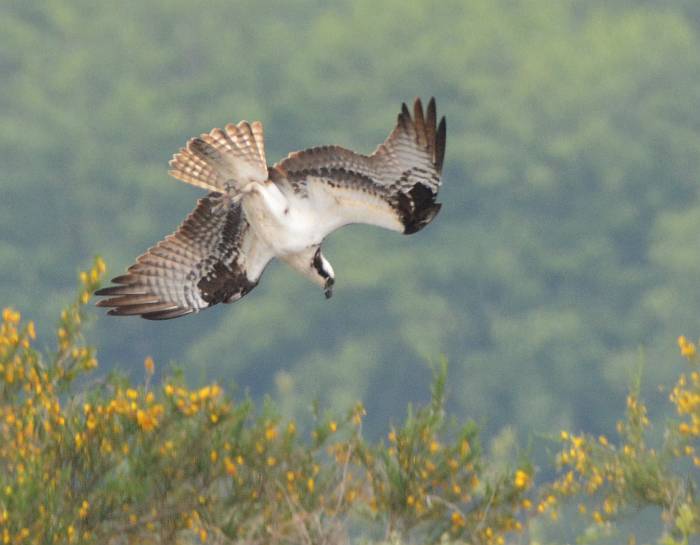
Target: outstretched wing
213, 257
395, 187
223, 160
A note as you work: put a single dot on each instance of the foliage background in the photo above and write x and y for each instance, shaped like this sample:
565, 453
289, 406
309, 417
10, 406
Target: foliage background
565, 253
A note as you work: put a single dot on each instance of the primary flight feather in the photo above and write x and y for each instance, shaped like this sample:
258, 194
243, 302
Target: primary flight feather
254, 213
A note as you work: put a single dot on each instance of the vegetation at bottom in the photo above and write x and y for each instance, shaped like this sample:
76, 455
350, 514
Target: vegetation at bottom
107, 460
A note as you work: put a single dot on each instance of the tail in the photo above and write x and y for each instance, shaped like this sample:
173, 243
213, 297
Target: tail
223, 160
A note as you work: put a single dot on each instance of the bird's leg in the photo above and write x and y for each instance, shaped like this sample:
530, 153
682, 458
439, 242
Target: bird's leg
273, 198
246, 190
222, 202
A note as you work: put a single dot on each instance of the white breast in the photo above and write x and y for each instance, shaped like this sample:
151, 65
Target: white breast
288, 224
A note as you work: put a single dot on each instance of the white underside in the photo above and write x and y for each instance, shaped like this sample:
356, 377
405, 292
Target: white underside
289, 224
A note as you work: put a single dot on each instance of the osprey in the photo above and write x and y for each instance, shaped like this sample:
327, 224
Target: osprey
254, 213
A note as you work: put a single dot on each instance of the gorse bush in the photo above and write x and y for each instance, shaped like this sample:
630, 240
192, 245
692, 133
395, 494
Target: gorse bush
103, 460
643, 467
87, 459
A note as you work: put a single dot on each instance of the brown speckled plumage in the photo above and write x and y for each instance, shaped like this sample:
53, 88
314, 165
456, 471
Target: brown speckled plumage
255, 212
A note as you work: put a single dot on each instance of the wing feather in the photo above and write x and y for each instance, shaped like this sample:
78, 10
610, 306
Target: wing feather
399, 182
213, 257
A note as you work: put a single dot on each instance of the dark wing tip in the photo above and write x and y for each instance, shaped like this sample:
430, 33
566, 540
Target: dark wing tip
404, 116
440, 144
123, 279
430, 117
167, 314
422, 135
417, 106
157, 310
132, 300
120, 290
431, 107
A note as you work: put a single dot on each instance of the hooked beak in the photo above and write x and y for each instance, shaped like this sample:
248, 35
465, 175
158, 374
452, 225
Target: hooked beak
328, 288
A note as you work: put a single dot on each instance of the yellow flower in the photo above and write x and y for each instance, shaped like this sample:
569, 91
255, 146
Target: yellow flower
149, 365
333, 426
11, 316
688, 349
310, 485
84, 508
146, 419
230, 466
271, 433
204, 393
457, 519
609, 506
522, 479
91, 422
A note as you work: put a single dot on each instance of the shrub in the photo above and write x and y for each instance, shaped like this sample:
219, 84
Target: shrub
102, 460
88, 459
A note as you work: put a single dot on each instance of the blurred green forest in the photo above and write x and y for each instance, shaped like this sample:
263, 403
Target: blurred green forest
565, 254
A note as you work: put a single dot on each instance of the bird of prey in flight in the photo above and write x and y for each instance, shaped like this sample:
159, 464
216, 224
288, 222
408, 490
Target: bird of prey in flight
254, 213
